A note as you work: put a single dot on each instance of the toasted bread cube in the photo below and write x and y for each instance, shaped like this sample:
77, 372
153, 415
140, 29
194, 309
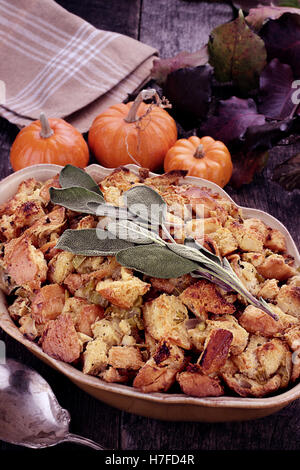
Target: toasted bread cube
88, 264
49, 249
247, 362
89, 221
256, 321
239, 334
113, 185
125, 357
258, 225
95, 357
19, 308
275, 240
247, 274
269, 289
294, 281
49, 224
272, 355
178, 206
172, 285
202, 200
28, 190
50, 183
150, 343
274, 266
24, 263
225, 240
164, 318
159, 372
106, 269
245, 386
292, 336
28, 327
198, 335
262, 358
123, 293
24, 215
216, 350
249, 237
288, 300
60, 340
254, 258
84, 314
193, 382
108, 331
197, 228
112, 375
60, 267
163, 182
48, 303
203, 297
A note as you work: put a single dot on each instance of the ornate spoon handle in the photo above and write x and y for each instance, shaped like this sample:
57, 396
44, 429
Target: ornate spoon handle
82, 441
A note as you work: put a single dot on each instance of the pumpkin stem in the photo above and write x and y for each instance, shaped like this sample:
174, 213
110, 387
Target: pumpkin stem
199, 153
46, 130
142, 96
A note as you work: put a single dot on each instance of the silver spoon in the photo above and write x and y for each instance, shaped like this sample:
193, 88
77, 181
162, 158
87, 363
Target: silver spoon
30, 414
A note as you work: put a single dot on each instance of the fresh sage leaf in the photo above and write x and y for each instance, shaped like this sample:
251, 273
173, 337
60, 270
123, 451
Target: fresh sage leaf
128, 230
75, 198
107, 210
145, 203
186, 252
155, 261
91, 242
71, 176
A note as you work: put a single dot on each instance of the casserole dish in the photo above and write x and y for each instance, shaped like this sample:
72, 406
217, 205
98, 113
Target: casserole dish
176, 407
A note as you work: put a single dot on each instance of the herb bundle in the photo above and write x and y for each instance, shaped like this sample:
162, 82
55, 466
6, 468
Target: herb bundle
140, 240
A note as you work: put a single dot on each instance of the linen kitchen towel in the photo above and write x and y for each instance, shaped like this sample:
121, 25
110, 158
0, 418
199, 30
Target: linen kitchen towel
55, 62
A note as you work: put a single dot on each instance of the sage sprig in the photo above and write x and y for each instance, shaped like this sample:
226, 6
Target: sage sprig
137, 234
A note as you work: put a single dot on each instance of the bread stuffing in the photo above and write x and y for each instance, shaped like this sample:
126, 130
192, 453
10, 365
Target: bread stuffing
183, 334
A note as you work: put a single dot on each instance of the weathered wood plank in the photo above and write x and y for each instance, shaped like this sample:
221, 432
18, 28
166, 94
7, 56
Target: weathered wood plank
113, 15
270, 433
175, 25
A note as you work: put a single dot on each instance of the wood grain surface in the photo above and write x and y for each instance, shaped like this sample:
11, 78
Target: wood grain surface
171, 26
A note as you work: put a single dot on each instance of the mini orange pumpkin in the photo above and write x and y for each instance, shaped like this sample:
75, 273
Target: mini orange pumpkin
133, 133
49, 141
206, 158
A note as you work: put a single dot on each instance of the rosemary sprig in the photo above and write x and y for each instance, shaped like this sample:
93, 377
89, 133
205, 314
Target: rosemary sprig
133, 236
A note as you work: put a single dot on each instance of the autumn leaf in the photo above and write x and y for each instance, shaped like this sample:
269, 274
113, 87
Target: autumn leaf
287, 174
246, 165
282, 40
247, 5
237, 54
276, 91
233, 118
162, 67
189, 91
259, 16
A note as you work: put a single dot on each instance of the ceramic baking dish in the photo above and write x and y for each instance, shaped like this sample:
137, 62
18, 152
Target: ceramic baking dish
165, 406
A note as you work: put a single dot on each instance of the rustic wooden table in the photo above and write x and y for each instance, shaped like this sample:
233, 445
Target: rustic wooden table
170, 26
